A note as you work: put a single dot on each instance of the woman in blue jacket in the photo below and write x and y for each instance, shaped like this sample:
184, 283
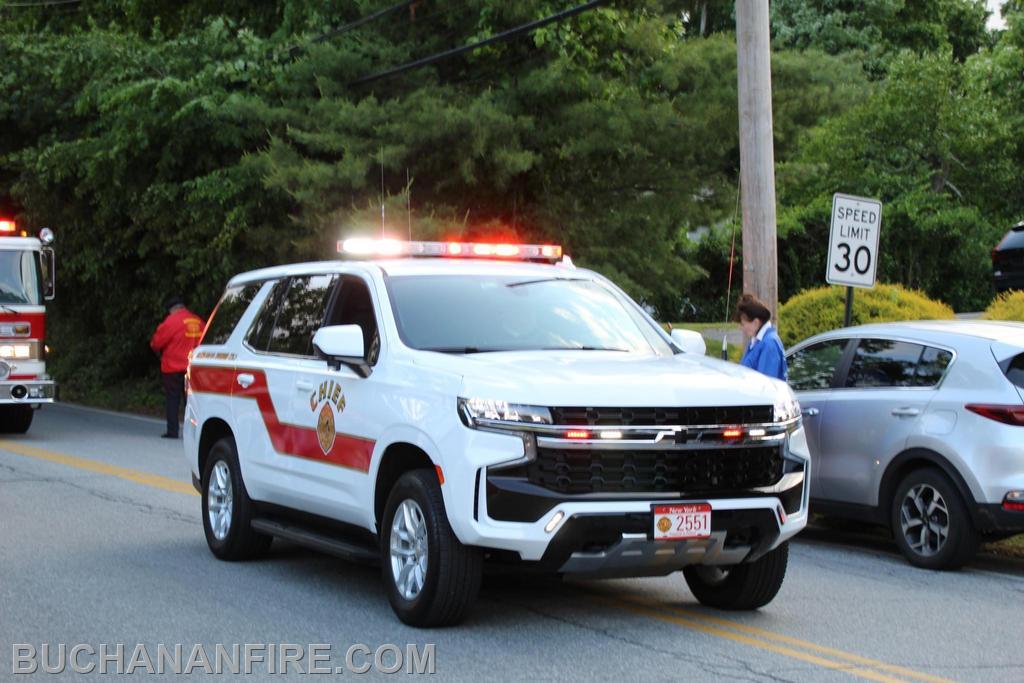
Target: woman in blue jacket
765, 352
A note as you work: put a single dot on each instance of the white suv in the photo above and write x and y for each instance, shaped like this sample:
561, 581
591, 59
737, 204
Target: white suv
436, 413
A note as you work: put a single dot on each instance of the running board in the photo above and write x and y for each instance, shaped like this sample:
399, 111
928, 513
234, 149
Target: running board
317, 541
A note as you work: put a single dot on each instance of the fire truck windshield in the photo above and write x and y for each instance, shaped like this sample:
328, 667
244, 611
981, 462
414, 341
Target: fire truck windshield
19, 278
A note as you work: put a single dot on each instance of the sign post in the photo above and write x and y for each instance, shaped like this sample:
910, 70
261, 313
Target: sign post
853, 245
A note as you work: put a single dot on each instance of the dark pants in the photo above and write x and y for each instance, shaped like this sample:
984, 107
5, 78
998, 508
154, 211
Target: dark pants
174, 390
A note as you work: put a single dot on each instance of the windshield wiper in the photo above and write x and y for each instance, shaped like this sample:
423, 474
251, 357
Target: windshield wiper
459, 349
6, 309
582, 348
534, 282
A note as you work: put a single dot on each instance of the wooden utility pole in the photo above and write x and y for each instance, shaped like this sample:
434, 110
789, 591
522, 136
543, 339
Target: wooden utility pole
757, 152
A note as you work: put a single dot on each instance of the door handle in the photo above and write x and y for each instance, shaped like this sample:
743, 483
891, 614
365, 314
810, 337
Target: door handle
305, 386
906, 412
809, 412
245, 380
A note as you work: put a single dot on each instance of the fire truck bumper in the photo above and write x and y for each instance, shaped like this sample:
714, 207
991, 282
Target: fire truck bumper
30, 391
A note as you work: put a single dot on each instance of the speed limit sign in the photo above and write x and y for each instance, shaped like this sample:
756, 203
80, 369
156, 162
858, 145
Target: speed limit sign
853, 243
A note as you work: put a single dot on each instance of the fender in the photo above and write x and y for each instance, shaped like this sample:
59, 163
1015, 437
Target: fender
908, 460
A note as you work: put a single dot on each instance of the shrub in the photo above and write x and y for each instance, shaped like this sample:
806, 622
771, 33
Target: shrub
1006, 306
822, 309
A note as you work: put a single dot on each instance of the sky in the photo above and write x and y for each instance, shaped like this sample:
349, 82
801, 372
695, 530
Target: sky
995, 21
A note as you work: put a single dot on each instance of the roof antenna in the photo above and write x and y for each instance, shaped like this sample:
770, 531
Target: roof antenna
382, 191
408, 194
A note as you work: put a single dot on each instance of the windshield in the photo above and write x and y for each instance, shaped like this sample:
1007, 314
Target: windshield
477, 314
19, 278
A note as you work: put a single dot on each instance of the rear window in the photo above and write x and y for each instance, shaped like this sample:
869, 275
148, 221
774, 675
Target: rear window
1013, 240
229, 311
1015, 370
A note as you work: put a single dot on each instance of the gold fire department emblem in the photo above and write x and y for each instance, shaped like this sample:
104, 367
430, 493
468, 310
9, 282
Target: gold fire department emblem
664, 524
325, 432
330, 398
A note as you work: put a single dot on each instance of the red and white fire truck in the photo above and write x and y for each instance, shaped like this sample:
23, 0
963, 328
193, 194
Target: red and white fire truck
26, 284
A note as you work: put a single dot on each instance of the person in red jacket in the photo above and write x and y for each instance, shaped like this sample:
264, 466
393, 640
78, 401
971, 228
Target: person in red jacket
174, 340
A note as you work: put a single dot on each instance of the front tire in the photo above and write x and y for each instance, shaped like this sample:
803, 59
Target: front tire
16, 419
740, 587
930, 522
432, 579
227, 509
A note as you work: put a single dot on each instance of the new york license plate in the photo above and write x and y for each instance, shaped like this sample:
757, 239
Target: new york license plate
681, 521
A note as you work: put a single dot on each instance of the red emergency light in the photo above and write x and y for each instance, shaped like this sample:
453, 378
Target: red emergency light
397, 248
7, 227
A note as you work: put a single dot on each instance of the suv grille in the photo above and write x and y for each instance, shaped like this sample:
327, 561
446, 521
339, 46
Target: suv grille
624, 471
628, 417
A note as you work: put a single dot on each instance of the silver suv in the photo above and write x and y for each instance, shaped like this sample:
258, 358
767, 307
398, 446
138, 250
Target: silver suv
918, 426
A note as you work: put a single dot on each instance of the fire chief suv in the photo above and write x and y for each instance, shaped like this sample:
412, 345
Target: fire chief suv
441, 406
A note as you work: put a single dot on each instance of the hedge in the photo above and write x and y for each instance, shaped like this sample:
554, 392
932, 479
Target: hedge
822, 309
1006, 306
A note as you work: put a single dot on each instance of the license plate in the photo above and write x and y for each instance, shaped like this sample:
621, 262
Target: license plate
689, 520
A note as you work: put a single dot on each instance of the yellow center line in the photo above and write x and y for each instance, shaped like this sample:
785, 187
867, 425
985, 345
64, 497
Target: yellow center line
779, 637
154, 480
854, 670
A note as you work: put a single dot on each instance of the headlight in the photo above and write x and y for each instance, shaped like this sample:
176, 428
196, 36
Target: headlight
787, 409
488, 410
19, 351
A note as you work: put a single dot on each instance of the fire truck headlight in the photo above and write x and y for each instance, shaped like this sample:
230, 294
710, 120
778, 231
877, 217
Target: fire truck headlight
16, 351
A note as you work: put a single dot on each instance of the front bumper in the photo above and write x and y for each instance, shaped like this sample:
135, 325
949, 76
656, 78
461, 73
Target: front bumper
28, 391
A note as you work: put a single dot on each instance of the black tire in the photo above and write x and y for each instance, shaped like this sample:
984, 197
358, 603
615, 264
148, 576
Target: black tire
236, 540
740, 587
929, 551
16, 419
451, 580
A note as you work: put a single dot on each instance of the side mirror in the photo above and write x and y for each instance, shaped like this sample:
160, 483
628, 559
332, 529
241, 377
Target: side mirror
689, 341
47, 262
342, 345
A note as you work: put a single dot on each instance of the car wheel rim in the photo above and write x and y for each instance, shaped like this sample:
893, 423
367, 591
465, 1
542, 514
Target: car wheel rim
409, 549
220, 498
924, 520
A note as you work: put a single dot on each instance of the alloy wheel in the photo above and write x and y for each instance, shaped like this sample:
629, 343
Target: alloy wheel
219, 500
924, 520
409, 549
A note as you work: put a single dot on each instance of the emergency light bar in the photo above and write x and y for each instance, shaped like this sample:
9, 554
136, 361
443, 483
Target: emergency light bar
398, 248
7, 227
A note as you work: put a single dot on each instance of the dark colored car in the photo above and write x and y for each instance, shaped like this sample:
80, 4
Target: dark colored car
1008, 260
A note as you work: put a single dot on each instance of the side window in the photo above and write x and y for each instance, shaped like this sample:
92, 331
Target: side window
815, 366
229, 311
354, 306
932, 366
1015, 370
301, 314
259, 334
884, 363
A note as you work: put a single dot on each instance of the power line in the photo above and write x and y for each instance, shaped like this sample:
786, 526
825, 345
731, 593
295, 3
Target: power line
506, 35
347, 27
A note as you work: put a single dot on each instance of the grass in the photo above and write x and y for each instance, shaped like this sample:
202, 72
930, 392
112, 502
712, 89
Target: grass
1010, 547
141, 396
714, 346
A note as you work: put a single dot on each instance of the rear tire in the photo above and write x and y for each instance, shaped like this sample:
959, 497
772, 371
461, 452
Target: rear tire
16, 419
432, 579
740, 587
227, 509
930, 522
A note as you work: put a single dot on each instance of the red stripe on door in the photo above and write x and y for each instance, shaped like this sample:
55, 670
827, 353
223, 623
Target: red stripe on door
348, 451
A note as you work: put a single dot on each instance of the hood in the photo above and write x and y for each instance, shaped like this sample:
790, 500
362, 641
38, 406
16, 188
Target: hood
607, 378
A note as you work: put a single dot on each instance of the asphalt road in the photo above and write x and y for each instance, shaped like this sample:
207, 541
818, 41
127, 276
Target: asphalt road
101, 543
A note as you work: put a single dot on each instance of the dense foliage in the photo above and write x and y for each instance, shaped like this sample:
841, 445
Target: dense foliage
1007, 306
171, 145
824, 308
